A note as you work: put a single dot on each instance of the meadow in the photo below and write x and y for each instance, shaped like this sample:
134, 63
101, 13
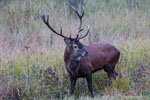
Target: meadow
31, 56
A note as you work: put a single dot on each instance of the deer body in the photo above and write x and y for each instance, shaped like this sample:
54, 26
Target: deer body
99, 56
82, 61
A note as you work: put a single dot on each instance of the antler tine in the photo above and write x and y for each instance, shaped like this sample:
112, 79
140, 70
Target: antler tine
47, 23
80, 17
85, 34
61, 30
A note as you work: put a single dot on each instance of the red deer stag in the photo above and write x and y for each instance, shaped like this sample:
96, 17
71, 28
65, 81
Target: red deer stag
82, 61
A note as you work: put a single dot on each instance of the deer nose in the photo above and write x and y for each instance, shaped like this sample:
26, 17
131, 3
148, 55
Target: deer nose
86, 54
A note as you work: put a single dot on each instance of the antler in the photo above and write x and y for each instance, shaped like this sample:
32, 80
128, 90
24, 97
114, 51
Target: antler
85, 34
80, 17
47, 23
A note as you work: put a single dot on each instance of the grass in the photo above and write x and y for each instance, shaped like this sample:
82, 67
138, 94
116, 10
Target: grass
38, 72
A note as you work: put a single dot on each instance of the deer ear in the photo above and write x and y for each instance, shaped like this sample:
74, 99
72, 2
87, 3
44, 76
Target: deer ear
68, 42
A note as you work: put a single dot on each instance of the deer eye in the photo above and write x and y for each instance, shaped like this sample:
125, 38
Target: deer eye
75, 46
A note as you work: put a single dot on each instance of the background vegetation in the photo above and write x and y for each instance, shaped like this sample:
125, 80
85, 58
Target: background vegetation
31, 56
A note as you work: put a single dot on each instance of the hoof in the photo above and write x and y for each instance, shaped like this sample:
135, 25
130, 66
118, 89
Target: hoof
92, 96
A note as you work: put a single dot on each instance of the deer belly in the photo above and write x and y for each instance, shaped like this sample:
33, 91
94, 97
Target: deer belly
98, 63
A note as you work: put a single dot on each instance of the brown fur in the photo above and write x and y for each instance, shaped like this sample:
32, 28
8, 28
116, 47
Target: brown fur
99, 56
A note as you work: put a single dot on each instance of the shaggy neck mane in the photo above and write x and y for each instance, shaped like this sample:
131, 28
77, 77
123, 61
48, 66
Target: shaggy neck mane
74, 62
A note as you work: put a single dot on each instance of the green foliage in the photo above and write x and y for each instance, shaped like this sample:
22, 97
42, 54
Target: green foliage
34, 77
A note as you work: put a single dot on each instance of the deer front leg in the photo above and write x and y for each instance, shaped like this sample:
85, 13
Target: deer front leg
72, 85
89, 81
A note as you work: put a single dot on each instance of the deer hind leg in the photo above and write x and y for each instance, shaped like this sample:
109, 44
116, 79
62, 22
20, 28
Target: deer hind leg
111, 72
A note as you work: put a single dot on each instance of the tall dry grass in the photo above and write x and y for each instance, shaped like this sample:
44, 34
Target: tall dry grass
31, 56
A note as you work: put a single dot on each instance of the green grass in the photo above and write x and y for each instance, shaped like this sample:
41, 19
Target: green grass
39, 72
